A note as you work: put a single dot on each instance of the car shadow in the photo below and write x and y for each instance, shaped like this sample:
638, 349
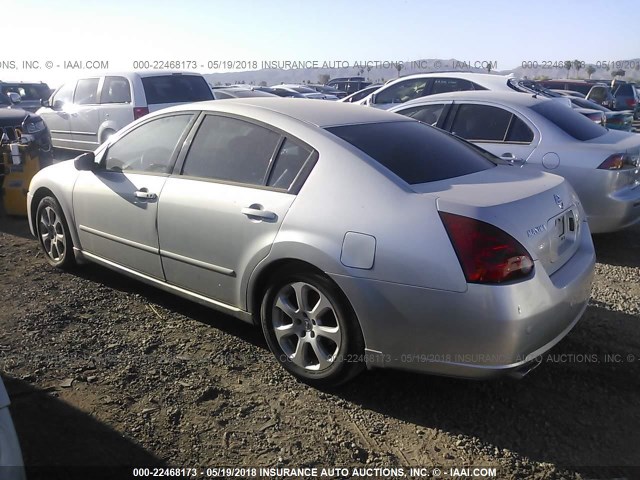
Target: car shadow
13, 225
578, 410
619, 248
59, 441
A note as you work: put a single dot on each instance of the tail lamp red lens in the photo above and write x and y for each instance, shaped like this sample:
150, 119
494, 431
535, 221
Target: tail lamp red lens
617, 161
139, 112
487, 254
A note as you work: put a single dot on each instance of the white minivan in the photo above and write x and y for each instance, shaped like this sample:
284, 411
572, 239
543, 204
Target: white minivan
83, 113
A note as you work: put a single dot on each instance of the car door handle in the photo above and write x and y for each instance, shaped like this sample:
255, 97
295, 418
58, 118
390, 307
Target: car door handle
257, 212
508, 156
145, 194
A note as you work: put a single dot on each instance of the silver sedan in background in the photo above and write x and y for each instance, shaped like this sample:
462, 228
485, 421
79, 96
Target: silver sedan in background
351, 235
540, 134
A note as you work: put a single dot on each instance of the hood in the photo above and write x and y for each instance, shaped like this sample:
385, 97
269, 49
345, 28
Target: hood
10, 117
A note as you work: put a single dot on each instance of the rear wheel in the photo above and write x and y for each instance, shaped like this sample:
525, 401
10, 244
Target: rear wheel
311, 329
53, 233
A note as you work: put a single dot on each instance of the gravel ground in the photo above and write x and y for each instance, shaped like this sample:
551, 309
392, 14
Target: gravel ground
105, 371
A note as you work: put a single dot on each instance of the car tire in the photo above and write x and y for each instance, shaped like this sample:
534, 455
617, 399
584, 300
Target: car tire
53, 234
311, 329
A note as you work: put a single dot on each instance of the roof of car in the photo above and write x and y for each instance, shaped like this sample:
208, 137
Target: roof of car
320, 113
480, 78
514, 98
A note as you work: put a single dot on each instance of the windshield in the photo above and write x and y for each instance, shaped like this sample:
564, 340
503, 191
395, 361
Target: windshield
569, 121
415, 152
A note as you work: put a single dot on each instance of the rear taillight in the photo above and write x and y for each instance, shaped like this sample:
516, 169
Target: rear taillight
139, 112
617, 161
486, 253
631, 102
597, 117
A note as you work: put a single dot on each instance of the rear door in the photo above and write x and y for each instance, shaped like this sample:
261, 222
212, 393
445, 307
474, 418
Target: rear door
219, 216
502, 131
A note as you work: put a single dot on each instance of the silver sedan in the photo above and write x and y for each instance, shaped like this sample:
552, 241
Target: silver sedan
354, 237
537, 133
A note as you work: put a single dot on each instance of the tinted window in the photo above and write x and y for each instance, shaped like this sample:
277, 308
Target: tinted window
443, 85
290, 160
28, 92
176, 89
429, 114
230, 149
414, 151
148, 148
65, 93
568, 120
599, 94
481, 122
624, 89
584, 103
519, 131
115, 90
86, 92
403, 91
221, 95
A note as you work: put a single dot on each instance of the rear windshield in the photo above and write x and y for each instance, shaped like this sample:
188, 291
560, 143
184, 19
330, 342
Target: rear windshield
569, 121
176, 89
415, 152
30, 92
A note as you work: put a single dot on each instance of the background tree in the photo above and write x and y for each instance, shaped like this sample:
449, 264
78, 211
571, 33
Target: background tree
369, 71
263, 83
591, 70
489, 67
577, 64
568, 64
399, 66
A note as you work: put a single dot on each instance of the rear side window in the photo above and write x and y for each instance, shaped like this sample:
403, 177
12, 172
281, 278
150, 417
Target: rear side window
403, 91
444, 85
231, 150
414, 151
291, 158
485, 123
86, 92
569, 121
115, 90
176, 89
429, 114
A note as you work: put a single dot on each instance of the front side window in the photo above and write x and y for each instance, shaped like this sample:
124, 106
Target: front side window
86, 92
115, 90
65, 93
403, 91
231, 150
149, 148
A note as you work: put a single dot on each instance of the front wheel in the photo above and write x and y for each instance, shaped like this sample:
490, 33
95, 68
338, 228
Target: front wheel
311, 329
53, 233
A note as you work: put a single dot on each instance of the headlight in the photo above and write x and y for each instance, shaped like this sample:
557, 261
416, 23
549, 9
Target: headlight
35, 127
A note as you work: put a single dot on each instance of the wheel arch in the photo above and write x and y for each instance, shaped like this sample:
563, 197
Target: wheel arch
38, 195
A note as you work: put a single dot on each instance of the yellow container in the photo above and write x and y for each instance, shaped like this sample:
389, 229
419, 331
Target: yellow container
21, 163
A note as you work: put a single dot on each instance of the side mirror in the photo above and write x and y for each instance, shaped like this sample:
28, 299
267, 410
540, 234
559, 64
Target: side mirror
372, 99
86, 162
57, 105
14, 97
45, 103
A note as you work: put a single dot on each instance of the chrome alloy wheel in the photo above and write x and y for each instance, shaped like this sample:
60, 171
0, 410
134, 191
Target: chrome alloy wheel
306, 326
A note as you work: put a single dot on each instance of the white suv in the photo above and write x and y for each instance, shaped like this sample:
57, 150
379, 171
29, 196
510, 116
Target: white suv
419, 85
83, 113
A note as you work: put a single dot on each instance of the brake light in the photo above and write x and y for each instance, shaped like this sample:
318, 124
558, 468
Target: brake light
139, 112
486, 253
631, 102
598, 117
617, 161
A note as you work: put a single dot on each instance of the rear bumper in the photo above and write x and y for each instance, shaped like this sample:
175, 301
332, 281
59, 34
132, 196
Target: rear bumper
618, 211
484, 332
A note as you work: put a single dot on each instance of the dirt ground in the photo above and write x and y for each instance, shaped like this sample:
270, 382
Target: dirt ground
104, 371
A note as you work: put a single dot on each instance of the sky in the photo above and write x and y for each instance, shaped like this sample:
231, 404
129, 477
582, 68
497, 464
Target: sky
123, 32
